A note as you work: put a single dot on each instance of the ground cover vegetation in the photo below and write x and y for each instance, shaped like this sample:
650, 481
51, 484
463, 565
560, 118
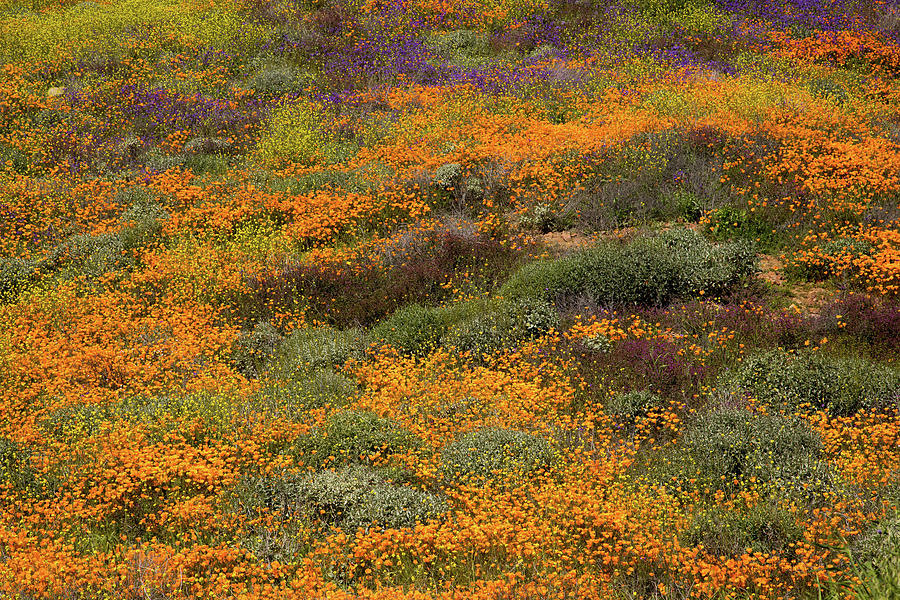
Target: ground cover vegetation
410, 299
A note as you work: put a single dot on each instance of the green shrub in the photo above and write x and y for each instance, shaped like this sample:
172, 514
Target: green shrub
353, 436
351, 497
636, 403
495, 455
841, 385
732, 448
15, 275
95, 255
728, 533
480, 327
319, 348
485, 327
414, 329
254, 349
651, 270
688, 205
315, 388
356, 496
16, 470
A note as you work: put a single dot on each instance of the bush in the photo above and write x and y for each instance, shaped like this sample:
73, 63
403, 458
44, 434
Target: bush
494, 455
143, 222
356, 496
353, 436
315, 388
633, 404
15, 275
15, 466
728, 533
95, 255
728, 447
648, 271
319, 348
414, 329
254, 349
485, 327
840, 385
352, 497
480, 327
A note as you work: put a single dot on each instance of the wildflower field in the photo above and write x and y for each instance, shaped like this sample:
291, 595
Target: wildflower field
449, 299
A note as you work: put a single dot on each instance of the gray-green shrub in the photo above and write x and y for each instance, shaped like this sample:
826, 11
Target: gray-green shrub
352, 436
254, 349
649, 271
480, 327
351, 497
501, 456
841, 385
727, 532
730, 447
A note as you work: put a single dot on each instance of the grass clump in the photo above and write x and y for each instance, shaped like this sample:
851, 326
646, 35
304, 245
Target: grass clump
495, 456
16, 470
876, 554
649, 271
316, 388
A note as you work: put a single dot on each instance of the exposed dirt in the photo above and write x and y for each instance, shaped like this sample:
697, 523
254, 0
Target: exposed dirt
563, 242
770, 269
809, 298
